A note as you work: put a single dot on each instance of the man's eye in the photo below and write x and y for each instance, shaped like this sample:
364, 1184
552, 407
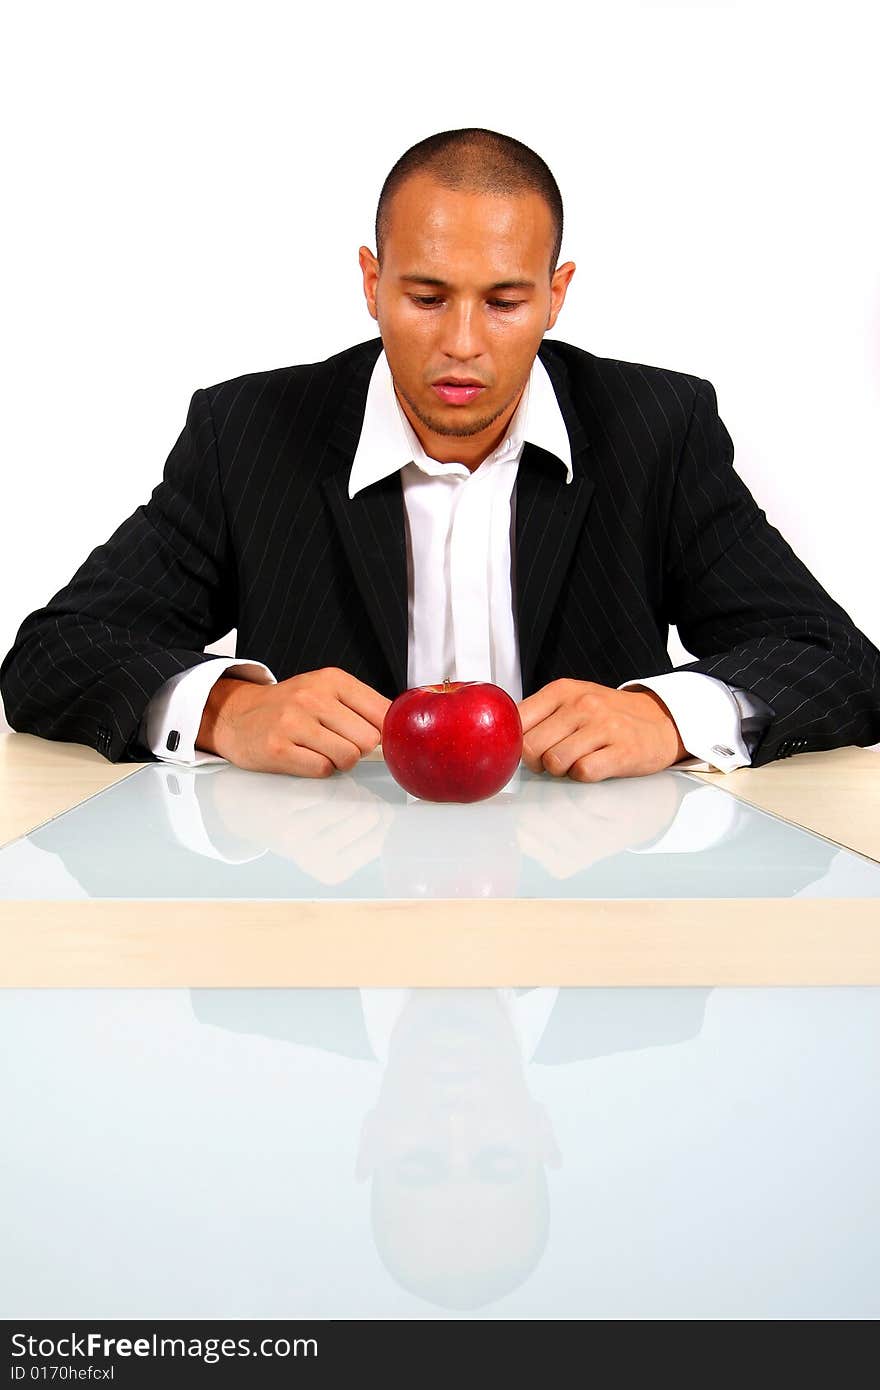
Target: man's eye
429, 300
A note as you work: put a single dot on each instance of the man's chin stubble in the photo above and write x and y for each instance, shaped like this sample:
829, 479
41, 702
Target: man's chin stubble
463, 430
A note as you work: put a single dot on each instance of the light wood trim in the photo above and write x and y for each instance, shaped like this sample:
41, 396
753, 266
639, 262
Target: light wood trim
40, 778
724, 941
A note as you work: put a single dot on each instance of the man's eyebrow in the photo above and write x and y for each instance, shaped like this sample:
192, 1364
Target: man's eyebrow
498, 285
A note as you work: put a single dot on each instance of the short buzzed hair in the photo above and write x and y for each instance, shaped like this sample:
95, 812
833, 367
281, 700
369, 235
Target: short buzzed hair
478, 161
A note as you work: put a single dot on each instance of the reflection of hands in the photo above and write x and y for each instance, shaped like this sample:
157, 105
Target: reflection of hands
567, 830
591, 732
330, 829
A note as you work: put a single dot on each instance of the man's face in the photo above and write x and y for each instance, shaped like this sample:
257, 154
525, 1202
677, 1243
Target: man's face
464, 291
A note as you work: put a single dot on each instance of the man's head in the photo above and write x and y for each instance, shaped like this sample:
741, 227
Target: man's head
455, 1149
464, 283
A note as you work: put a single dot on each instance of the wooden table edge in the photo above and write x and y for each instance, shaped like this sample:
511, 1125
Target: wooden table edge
116, 943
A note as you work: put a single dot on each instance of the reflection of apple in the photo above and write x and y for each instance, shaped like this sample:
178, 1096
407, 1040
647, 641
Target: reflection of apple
439, 852
459, 741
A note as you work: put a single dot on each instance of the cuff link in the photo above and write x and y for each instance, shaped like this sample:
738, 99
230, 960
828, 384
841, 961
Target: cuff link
173, 740
722, 752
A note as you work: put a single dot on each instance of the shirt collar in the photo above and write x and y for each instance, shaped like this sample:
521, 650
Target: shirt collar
388, 442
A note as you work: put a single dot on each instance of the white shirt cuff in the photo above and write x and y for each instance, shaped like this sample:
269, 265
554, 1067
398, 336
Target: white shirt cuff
171, 721
716, 722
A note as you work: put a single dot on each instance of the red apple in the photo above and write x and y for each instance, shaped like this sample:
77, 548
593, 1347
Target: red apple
459, 741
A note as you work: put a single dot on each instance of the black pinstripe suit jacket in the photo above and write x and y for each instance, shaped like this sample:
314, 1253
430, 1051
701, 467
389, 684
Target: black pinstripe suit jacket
252, 528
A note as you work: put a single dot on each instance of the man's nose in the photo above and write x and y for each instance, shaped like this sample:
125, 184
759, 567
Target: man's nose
461, 337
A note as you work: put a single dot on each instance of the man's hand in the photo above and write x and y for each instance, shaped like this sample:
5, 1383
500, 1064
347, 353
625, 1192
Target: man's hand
310, 725
592, 732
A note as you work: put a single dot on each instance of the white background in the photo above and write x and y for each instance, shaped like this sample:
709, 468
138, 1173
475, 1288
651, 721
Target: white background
187, 186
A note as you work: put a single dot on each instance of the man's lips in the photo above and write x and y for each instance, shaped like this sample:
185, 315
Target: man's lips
456, 395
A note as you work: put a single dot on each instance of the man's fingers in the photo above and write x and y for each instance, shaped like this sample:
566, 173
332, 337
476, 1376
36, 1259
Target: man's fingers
314, 724
544, 735
351, 726
591, 732
362, 698
342, 753
596, 766
559, 757
538, 706
302, 762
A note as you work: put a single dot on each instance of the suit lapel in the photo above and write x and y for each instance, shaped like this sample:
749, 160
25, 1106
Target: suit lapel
549, 517
371, 525
371, 528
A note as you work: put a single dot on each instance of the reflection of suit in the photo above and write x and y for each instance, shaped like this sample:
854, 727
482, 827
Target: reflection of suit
584, 1022
252, 528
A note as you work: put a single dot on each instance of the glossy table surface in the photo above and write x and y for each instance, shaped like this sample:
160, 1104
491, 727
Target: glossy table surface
380, 1153
218, 832
216, 876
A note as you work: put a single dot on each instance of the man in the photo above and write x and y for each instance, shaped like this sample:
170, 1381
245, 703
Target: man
456, 498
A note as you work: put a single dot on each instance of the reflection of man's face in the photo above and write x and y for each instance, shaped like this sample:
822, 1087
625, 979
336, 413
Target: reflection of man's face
463, 327
456, 1148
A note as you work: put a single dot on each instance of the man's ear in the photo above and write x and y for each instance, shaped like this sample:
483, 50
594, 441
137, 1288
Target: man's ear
370, 271
366, 1155
559, 284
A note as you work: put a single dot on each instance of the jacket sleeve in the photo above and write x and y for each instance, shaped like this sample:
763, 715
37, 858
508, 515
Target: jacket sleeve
141, 608
752, 612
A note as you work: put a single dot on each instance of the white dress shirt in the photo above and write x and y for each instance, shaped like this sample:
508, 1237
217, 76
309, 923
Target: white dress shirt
461, 579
